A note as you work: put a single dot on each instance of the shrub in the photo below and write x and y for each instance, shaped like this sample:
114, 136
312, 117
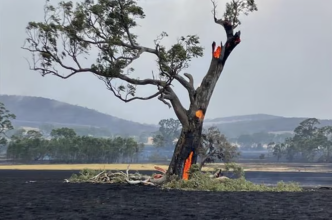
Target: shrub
203, 182
84, 175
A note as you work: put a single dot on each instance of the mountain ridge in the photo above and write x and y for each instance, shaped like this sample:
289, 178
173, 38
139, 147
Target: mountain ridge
48, 111
237, 118
35, 111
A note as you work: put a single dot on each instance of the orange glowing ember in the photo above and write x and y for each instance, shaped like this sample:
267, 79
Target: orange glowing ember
187, 166
216, 53
200, 115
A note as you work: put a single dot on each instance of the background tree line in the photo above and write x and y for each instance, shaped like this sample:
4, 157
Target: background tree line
310, 143
256, 141
66, 146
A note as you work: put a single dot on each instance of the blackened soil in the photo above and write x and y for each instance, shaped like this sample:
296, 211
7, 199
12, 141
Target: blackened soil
43, 195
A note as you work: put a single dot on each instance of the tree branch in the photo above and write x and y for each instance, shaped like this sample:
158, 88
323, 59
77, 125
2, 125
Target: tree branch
74, 71
119, 96
179, 110
162, 99
132, 45
226, 24
191, 79
188, 85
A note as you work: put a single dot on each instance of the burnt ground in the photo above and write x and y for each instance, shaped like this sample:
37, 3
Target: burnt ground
49, 198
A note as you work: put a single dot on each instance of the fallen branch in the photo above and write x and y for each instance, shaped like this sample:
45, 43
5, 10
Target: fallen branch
145, 182
95, 177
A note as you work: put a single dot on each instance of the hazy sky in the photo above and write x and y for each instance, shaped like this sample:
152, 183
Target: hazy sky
283, 65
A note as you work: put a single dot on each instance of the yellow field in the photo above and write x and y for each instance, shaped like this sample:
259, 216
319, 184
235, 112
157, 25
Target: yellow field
275, 167
81, 166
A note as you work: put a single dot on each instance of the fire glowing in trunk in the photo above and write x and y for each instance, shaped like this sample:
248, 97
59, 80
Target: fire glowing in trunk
200, 115
216, 53
187, 166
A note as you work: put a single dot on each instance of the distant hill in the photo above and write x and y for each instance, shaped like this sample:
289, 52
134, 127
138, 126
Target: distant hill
241, 118
35, 111
249, 124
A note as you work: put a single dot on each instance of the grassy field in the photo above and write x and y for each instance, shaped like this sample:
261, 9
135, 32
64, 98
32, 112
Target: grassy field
263, 167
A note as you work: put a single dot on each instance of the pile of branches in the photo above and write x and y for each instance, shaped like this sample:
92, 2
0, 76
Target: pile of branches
126, 177
132, 178
120, 177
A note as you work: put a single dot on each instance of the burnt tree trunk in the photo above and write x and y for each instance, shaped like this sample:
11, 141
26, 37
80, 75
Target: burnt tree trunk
190, 137
188, 141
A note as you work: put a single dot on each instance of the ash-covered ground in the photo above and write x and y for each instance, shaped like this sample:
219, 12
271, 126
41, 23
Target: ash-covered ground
43, 195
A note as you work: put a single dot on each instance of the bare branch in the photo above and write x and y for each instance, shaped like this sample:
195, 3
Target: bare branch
134, 182
179, 110
119, 96
96, 177
188, 85
74, 71
233, 11
225, 23
162, 99
191, 79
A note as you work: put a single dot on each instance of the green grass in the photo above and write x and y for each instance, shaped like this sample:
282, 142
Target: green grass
84, 175
202, 182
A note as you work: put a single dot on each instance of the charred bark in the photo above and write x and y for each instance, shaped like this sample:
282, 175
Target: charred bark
188, 142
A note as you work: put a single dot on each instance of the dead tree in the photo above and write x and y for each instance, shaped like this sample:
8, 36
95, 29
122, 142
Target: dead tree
60, 43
